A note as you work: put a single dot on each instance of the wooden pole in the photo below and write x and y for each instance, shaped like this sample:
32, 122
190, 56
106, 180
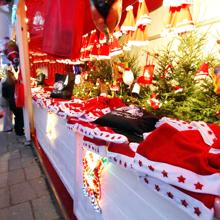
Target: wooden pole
22, 40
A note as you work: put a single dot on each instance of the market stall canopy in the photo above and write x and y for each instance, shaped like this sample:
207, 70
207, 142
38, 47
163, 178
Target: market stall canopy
56, 27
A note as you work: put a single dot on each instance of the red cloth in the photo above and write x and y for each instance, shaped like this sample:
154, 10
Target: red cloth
64, 22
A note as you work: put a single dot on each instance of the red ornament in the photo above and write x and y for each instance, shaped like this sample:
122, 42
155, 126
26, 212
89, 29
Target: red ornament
147, 77
153, 102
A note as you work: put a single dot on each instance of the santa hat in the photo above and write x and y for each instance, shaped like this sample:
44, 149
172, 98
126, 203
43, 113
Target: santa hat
203, 72
192, 172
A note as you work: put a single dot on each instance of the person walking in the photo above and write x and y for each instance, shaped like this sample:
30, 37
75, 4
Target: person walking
8, 90
6, 112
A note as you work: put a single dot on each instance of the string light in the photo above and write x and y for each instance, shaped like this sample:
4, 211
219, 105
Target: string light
93, 166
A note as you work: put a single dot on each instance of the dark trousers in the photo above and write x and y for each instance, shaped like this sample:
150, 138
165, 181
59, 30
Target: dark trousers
19, 120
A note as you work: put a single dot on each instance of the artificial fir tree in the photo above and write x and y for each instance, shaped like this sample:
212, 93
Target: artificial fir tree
181, 95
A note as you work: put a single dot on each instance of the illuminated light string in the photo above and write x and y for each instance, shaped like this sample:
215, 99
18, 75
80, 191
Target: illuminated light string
93, 166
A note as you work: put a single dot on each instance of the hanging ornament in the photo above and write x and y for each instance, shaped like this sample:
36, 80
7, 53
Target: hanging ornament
129, 22
102, 38
128, 77
104, 52
177, 89
217, 79
115, 48
117, 33
136, 89
203, 72
106, 14
77, 79
153, 102
93, 39
148, 73
95, 52
179, 19
139, 37
143, 17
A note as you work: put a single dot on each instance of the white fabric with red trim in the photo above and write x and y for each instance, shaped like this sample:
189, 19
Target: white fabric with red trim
110, 137
178, 176
98, 149
188, 204
120, 160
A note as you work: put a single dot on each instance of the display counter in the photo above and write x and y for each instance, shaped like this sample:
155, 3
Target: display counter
123, 194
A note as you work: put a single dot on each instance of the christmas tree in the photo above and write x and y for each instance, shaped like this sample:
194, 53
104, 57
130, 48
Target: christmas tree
182, 95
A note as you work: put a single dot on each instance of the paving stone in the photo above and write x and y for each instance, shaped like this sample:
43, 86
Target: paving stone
21, 212
27, 152
32, 172
4, 162
15, 146
4, 140
22, 192
3, 149
14, 164
15, 154
4, 214
39, 186
16, 176
3, 179
44, 209
4, 197
27, 162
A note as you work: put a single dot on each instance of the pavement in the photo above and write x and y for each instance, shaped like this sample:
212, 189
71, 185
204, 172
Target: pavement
24, 191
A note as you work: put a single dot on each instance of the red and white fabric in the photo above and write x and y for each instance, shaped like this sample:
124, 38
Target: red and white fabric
192, 206
187, 164
121, 154
205, 131
95, 145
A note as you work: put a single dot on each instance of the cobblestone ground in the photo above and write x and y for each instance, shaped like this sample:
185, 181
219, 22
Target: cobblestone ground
24, 192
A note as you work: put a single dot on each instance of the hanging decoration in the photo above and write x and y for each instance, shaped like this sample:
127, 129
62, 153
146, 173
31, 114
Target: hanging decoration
179, 19
128, 77
148, 73
106, 14
203, 72
154, 102
143, 17
93, 166
139, 37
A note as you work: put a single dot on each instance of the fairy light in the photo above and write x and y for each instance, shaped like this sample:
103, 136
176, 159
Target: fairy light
93, 166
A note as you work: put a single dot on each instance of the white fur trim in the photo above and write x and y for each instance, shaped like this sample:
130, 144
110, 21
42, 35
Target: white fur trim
133, 146
210, 183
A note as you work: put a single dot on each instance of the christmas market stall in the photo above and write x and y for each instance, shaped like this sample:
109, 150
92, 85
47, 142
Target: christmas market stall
126, 105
